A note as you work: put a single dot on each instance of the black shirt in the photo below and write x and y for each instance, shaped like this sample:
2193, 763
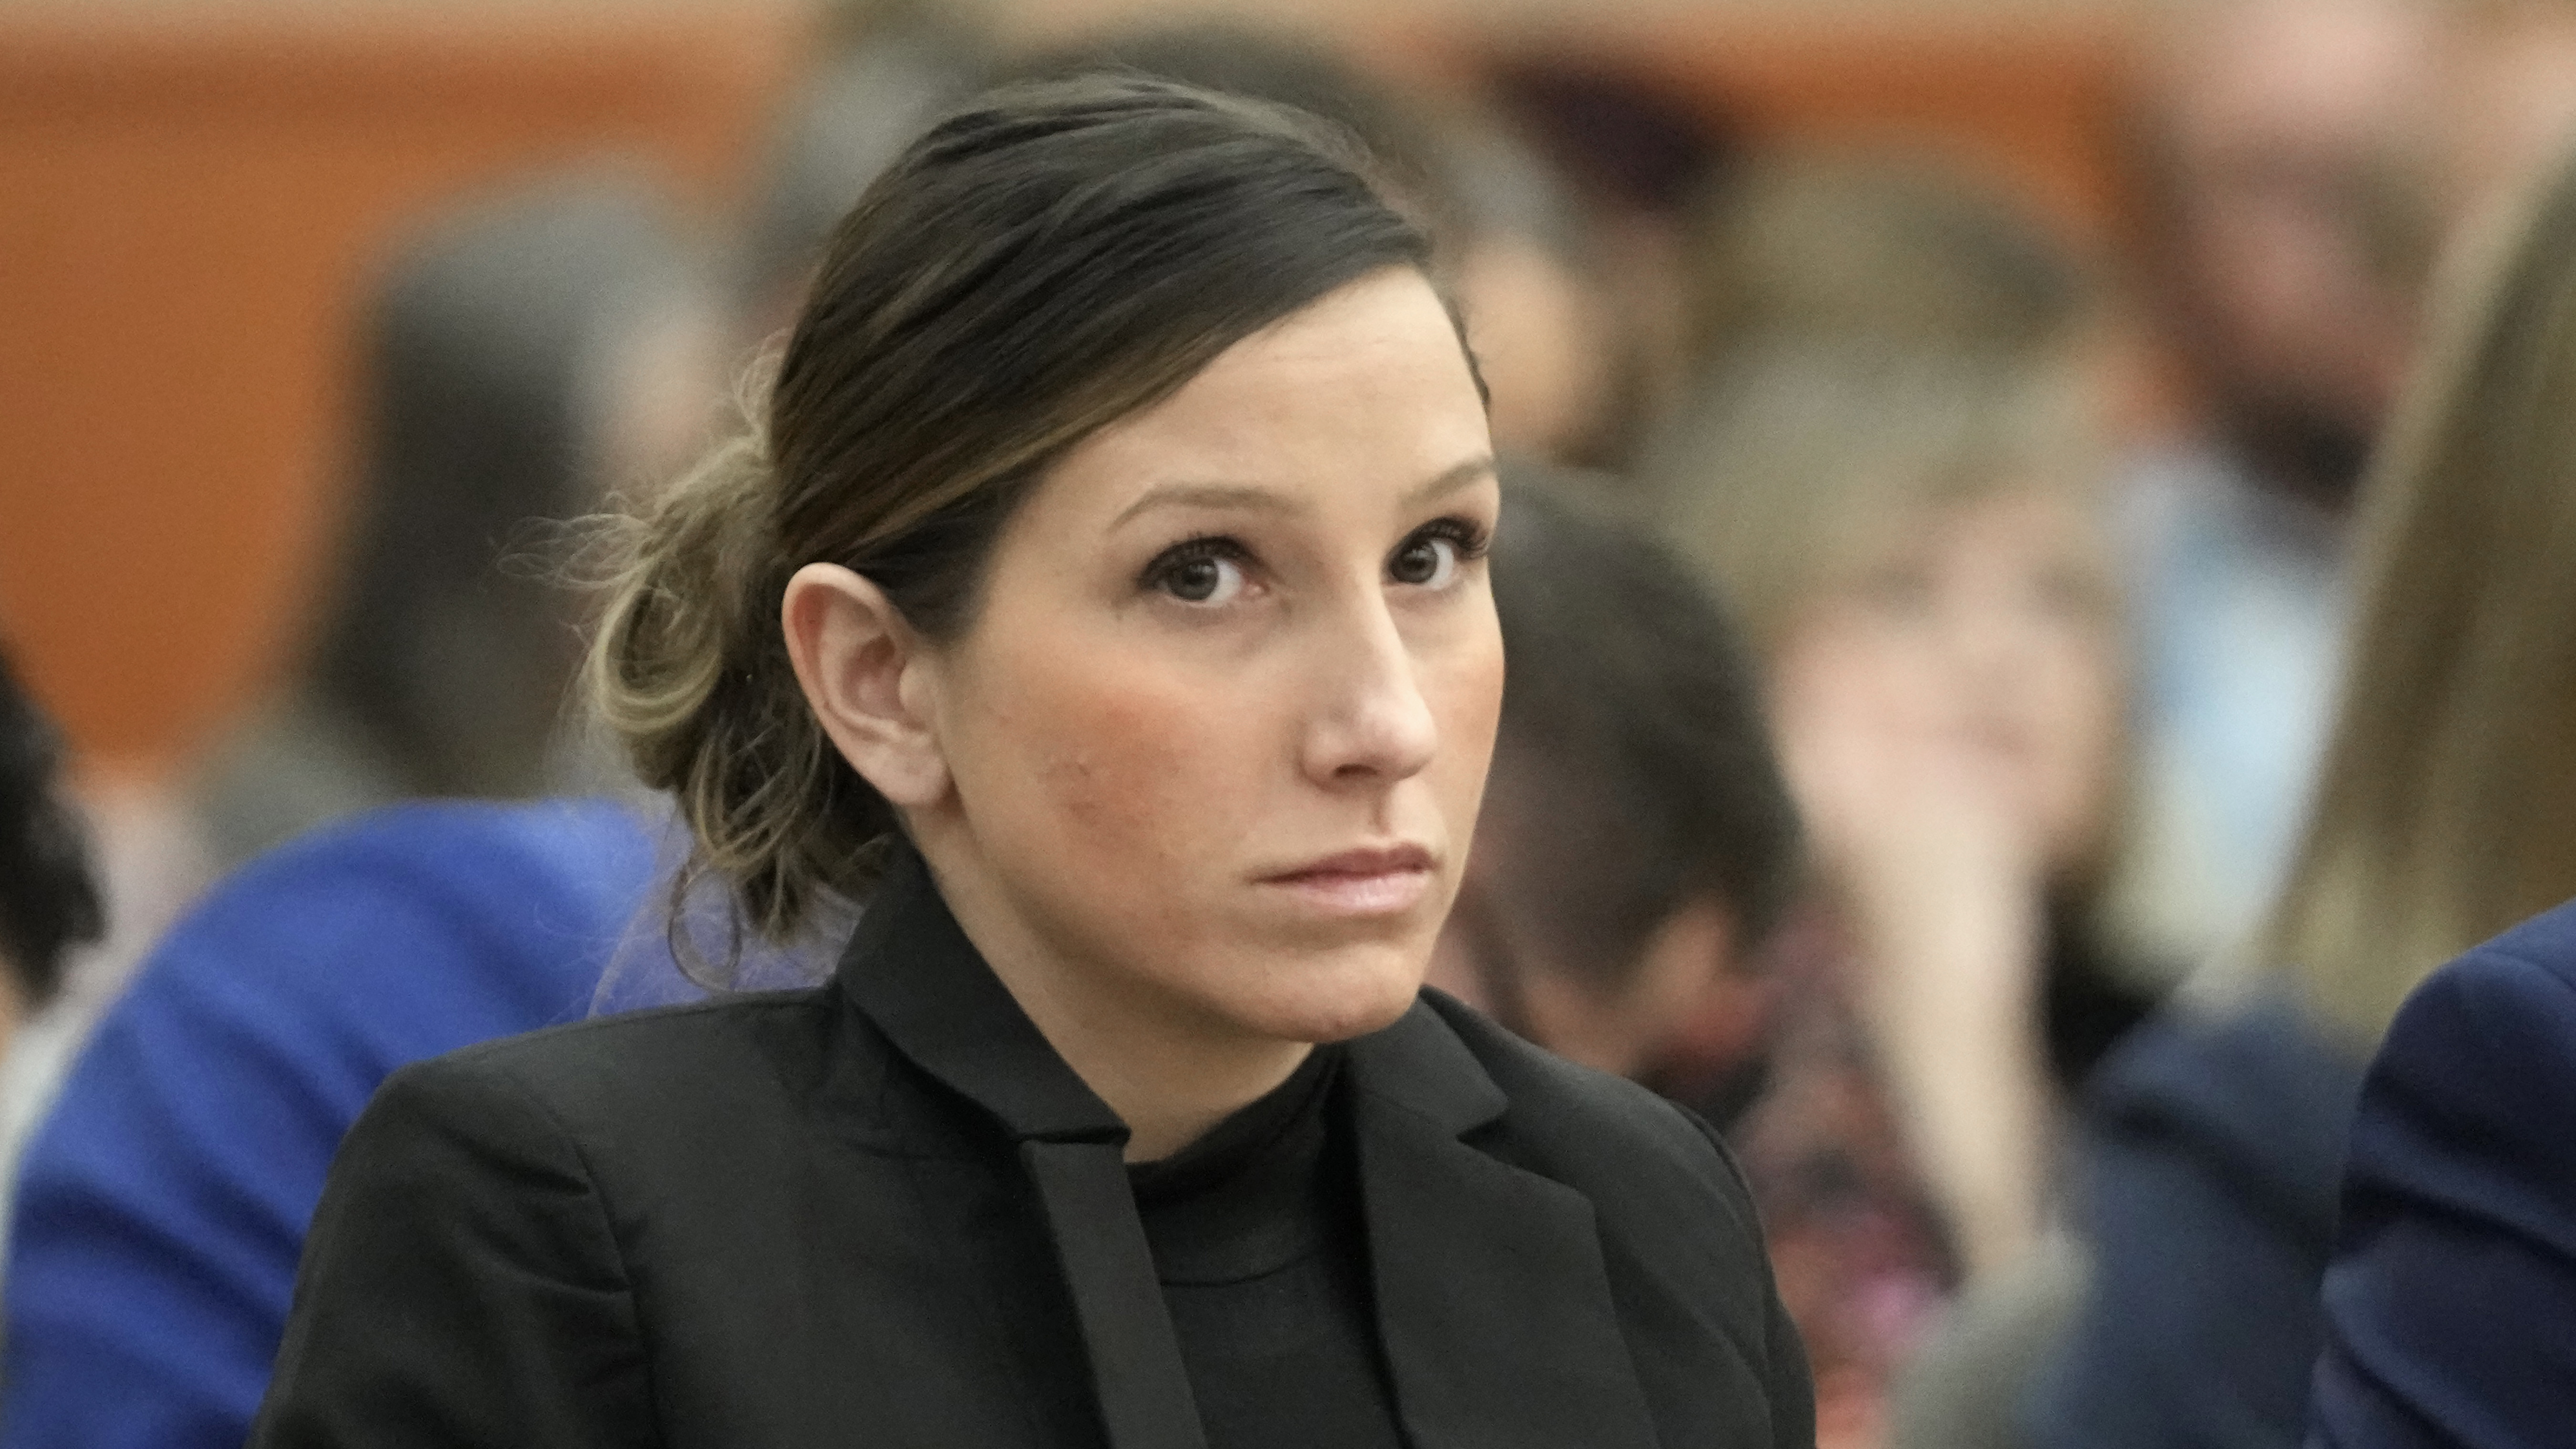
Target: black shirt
1258, 1243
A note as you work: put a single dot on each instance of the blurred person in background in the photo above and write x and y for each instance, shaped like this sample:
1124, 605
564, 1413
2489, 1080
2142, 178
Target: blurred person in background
527, 354
1637, 162
1520, 255
2215, 1134
888, 68
1893, 470
162, 1205
2286, 234
1636, 844
2508, 104
167, 1198
50, 903
1886, 250
1915, 543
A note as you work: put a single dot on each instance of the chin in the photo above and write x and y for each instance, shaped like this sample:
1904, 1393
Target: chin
1355, 991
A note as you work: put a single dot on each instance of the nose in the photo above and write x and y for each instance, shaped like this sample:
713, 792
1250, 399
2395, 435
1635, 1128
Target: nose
1370, 724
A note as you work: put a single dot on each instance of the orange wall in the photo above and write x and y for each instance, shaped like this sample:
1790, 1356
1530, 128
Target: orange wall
189, 207
189, 204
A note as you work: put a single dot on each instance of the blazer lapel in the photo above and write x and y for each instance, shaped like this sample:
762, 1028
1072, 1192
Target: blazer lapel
1492, 1300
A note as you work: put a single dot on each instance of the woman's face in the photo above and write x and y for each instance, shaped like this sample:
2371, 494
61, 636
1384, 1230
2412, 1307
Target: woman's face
1976, 645
1217, 734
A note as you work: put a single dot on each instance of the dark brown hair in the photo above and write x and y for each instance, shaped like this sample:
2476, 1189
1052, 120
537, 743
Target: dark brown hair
1633, 767
1047, 260
49, 899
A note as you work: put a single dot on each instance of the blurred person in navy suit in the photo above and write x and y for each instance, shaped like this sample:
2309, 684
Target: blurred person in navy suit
2215, 1134
2451, 1305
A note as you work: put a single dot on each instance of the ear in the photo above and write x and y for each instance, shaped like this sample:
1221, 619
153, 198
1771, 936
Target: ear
869, 680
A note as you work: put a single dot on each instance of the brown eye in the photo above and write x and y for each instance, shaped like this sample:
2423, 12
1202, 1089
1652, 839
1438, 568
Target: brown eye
1424, 561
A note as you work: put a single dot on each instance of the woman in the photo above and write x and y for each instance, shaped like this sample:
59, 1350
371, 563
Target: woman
1912, 541
1103, 598
2439, 820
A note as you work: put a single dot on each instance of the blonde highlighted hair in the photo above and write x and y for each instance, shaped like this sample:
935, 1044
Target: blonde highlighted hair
2443, 803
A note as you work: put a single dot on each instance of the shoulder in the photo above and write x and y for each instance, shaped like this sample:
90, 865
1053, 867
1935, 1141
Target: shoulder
403, 933
2250, 1101
2517, 991
555, 872
2455, 1208
590, 849
640, 1060
277, 1004
684, 1089
2487, 1043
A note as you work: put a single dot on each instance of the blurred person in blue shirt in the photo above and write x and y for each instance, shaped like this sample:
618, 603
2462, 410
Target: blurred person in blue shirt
162, 1207
2285, 245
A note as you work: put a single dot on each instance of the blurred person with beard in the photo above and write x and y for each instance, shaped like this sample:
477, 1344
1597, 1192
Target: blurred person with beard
2286, 240
1520, 254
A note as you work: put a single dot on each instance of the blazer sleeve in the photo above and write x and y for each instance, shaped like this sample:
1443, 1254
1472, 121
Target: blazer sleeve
2449, 1303
461, 1285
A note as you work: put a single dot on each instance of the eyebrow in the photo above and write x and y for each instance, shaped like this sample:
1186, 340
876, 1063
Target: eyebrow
1254, 498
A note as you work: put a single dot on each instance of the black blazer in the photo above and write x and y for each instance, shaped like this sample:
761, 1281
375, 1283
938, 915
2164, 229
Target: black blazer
857, 1215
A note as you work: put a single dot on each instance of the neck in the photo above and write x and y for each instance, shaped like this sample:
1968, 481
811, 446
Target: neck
1169, 1071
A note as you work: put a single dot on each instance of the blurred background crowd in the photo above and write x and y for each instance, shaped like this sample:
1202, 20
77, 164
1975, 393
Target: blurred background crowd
2026, 586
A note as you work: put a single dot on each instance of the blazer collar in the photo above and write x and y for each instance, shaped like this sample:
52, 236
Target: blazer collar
1494, 1304
912, 971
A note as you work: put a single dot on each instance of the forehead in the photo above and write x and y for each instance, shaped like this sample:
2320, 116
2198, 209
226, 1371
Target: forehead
1364, 389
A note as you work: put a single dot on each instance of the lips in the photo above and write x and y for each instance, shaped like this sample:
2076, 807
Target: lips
1379, 881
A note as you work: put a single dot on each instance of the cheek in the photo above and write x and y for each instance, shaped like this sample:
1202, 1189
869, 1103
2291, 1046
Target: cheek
1121, 768
1465, 694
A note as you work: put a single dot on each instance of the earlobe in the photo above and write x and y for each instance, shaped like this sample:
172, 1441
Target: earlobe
863, 673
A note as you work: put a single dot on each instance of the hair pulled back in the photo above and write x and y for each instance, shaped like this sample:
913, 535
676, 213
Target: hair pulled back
1041, 263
